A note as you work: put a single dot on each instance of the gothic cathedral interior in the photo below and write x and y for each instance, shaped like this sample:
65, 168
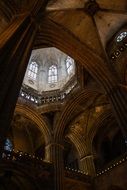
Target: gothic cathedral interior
63, 94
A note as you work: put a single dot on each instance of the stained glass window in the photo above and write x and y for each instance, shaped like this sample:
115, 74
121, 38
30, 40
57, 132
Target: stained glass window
121, 36
8, 145
33, 69
69, 65
52, 74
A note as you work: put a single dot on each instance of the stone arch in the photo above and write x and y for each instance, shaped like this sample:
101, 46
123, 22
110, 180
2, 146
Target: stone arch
98, 131
103, 118
37, 119
80, 146
54, 34
69, 109
76, 139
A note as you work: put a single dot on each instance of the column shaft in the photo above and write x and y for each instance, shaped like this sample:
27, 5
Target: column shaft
87, 165
16, 45
56, 157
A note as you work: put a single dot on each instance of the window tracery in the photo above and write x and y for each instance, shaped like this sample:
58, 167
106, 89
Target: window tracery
33, 69
121, 36
52, 74
8, 145
69, 65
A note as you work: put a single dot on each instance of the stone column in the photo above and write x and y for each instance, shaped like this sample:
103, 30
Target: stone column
54, 154
87, 165
16, 44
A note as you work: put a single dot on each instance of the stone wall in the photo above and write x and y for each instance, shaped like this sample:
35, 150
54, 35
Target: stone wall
72, 184
114, 179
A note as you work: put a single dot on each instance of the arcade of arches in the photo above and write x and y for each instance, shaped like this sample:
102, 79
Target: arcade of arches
63, 94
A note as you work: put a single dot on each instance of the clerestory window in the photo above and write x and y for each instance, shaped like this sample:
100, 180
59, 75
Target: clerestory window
69, 65
52, 74
33, 69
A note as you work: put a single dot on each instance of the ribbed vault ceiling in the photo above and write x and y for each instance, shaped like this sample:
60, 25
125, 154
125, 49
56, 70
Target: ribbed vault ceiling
95, 30
93, 22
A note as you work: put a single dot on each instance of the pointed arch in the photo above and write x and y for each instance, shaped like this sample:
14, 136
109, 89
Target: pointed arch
101, 120
38, 119
56, 35
52, 74
33, 70
69, 109
69, 65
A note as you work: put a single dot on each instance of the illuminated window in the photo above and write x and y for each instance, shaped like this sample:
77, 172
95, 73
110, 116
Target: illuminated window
52, 74
121, 36
8, 145
69, 65
33, 69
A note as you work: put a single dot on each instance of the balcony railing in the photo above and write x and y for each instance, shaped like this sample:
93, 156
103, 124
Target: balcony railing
25, 158
113, 164
47, 97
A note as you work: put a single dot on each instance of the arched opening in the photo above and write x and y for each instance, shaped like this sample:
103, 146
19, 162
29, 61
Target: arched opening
27, 137
71, 159
52, 74
108, 144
